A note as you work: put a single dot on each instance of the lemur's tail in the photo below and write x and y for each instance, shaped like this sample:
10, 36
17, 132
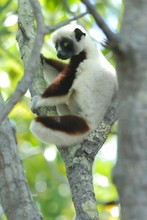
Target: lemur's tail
60, 130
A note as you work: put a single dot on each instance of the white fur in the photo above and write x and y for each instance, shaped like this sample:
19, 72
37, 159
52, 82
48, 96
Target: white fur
95, 85
50, 73
56, 137
90, 95
38, 101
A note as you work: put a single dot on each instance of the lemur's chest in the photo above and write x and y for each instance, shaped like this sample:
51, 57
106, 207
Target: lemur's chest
83, 78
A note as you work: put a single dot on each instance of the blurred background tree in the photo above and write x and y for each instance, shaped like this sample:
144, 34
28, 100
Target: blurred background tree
44, 167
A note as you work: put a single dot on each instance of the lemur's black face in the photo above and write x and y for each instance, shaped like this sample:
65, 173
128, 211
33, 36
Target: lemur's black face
65, 48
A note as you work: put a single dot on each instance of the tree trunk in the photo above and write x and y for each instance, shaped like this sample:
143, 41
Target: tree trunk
15, 196
131, 168
79, 174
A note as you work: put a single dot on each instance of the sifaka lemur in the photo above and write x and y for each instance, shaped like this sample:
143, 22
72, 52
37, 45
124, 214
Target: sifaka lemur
81, 90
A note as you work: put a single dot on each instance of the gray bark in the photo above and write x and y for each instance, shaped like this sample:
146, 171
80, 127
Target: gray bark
15, 196
131, 168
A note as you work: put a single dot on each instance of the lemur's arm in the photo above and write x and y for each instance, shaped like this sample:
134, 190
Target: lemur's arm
51, 68
61, 85
63, 82
56, 93
56, 75
58, 65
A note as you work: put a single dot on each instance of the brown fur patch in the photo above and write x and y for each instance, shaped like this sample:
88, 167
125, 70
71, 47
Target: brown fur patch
65, 79
58, 65
70, 124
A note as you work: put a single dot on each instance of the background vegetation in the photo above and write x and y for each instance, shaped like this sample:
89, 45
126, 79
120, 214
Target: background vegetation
43, 165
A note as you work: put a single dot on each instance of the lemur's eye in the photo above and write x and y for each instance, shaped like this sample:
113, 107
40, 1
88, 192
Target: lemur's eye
65, 44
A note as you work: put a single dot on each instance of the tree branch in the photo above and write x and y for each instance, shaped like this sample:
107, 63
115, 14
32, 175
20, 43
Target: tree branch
31, 67
114, 41
79, 173
65, 22
15, 196
100, 21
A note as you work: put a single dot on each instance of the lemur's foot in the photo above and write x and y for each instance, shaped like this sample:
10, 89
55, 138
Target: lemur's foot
35, 103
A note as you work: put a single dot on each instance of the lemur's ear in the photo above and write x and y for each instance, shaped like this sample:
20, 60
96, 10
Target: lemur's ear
79, 34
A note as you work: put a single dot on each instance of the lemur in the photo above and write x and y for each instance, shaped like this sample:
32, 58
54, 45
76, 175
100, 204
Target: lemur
81, 90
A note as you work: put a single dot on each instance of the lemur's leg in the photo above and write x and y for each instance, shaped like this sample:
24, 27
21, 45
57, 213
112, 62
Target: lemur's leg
60, 130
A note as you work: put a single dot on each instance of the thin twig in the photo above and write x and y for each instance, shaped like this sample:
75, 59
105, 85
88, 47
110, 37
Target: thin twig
100, 21
114, 41
65, 22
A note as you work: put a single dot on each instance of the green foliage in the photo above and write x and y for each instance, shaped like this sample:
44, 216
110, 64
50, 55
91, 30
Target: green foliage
46, 175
